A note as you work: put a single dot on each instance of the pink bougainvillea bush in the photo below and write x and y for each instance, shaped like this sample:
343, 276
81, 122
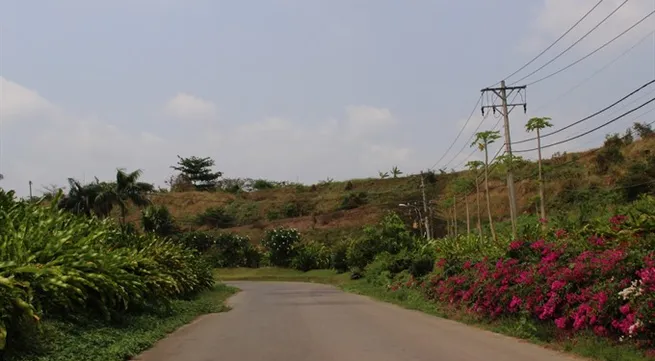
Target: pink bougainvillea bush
600, 278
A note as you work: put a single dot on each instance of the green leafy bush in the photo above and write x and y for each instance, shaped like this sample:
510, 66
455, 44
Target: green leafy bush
280, 245
390, 235
196, 240
233, 250
158, 220
216, 217
354, 200
261, 184
339, 256
54, 264
310, 255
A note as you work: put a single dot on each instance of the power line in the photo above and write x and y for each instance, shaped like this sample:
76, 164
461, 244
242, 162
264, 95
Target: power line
575, 43
556, 41
605, 67
460, 132
590, 131
499, 118
590, 116
595, 51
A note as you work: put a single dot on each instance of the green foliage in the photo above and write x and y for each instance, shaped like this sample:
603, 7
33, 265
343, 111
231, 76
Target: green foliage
354, 200
395, 172
339, 256
198, 171
639, 179
241, 212
610, 153
390, 235
261, 184
430, 176
216, 217
158, 220
196, 240
310, 255
233, 250
55, 264
538, 123
99, 198
280, 244
643, 130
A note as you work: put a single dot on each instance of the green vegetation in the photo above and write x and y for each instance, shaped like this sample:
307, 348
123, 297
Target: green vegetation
61, 267
127, 337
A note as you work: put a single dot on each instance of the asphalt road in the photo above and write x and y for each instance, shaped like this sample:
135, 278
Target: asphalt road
275, 321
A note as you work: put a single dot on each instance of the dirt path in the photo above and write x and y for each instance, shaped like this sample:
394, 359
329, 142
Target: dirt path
275, 321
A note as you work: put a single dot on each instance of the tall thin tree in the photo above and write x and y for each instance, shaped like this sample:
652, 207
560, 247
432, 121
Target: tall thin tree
537, 124
475, 166
482, 141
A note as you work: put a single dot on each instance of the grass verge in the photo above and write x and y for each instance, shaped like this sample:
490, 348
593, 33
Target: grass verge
587, 345
119, 342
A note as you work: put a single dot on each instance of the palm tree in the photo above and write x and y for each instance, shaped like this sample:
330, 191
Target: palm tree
383, 175
78, 200
475, 166
538, 124
126, 189
482, 141
395, 172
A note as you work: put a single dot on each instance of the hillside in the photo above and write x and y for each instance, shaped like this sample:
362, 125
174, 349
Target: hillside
330, 210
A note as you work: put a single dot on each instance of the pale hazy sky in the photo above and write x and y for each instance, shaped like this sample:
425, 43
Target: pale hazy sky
289, 89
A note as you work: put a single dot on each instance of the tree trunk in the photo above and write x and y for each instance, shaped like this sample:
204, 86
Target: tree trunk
542, 199
455, 215
486, 188
477, 196
468, 218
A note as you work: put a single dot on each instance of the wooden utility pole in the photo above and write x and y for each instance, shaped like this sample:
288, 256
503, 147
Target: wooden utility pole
30, 190
504, 109
425, 210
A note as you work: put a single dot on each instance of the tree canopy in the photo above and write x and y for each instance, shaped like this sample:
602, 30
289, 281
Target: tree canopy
198, 171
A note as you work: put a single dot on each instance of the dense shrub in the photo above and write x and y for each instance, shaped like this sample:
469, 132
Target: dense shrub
310, 255
261, 184
196, 240
354, 200
339, 256
55, 264
610, 153
280, 245
390, 236
233, 250
216, 217
241, 213
158, 220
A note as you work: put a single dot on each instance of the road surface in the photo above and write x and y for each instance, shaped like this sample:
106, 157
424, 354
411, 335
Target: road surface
277, 321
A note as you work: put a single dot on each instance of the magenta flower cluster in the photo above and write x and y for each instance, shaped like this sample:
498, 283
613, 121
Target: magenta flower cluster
607, 286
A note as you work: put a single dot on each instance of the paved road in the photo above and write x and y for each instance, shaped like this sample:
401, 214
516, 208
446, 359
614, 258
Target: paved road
310, 322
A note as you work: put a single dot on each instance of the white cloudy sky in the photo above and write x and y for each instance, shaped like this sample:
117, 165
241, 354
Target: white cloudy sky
291, 89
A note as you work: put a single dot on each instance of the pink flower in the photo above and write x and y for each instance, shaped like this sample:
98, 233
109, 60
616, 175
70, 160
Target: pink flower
543, 220
600, 330
557, 285
596, 240
618, 219
515, 303
625, 309
560, 233
515, 245
561, 323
